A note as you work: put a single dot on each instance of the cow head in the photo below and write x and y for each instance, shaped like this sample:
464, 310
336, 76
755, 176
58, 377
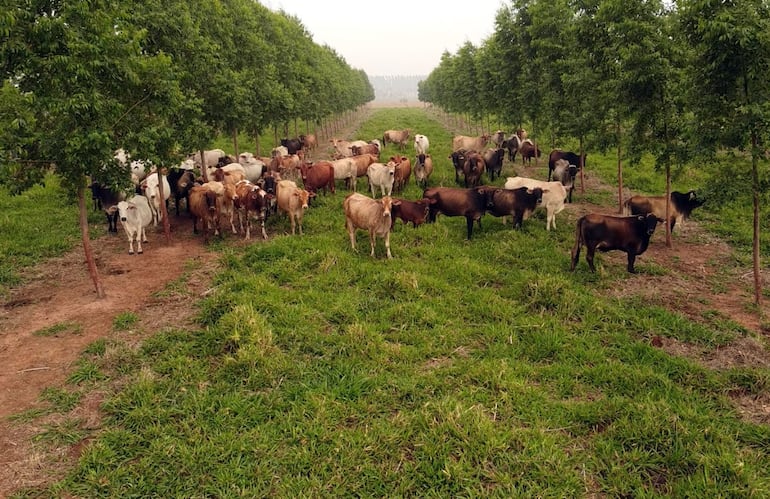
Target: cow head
650, 221
387, 205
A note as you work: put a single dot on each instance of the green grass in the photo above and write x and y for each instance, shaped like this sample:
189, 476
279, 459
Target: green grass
59, 329
124, 321
458, 368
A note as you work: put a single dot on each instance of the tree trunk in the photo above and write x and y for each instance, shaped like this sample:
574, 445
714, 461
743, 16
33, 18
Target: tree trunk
755, 188
668, 204
204, 170
235, 141
83, 218
582, 167
163, 210
256, 143
620, 170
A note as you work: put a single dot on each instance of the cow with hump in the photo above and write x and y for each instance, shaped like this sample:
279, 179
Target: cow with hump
608, 232
456, 202
135, 216
682, 204
371, 215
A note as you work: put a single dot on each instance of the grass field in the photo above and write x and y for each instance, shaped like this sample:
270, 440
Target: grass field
457, 369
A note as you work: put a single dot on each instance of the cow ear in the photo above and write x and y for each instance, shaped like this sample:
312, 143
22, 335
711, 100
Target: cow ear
395, 202
640, 217
295, 193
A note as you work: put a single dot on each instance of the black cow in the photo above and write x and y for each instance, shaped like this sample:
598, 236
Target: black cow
519, 202
107, 199
571, 157
292, 145
682, 204
456, 202
181, 181
494, 160
458, 160
607, 232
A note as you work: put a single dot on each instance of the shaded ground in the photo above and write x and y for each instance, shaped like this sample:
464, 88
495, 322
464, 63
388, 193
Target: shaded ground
700, 278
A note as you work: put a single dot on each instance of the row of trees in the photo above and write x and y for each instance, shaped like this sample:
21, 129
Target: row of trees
81, 78
677, 80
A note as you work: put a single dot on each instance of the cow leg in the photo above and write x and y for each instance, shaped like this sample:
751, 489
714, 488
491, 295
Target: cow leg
139, 236
372, 241
262, 224
387, 244
590, 252
631, 259
469, 225
351, 233
293, 223
575, 255
232, 225
130, 242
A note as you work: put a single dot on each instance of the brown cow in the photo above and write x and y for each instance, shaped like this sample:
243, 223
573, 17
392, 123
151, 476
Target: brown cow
415, 212
372, 215
682, 204
607, 232
473, 168
251, 201
402, 173
318, 175
362, 162
367, 149
528, 151
204, 207
400, 137
469, 143
309, 142
571, 158
458, 160
456, 202
519, 202
293, 201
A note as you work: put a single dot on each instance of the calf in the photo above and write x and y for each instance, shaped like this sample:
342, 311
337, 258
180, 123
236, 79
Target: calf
372, 215
473, 168
493, 158
423, 168
456, 202
682, 204
415, 212
606, 232
107, 199
135, 216
553, 196
519, 202
252, 201
293, 201
381, 176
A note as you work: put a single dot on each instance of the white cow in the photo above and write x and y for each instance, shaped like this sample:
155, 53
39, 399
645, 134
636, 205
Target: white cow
150, 187
135, 216
382, 176
421, 144
554, 194
345, 169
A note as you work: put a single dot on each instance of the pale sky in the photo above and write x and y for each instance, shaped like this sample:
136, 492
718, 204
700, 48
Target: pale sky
393, 37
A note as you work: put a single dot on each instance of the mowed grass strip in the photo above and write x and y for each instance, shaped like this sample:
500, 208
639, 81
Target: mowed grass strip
459, 368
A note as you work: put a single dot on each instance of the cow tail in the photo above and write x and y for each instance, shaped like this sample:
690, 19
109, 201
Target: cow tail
578, 243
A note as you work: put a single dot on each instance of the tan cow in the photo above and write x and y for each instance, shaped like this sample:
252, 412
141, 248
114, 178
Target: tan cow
293, 201
402, 173
372, 215
400, 137
469, 143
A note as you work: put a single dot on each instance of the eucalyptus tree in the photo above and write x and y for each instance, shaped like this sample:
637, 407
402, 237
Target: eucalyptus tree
505, 47
83, 66
730, 89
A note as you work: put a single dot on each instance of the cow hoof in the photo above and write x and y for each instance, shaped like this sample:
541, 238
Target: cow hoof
139, 252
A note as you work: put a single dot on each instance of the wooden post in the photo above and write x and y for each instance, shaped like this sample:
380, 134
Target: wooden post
90, 261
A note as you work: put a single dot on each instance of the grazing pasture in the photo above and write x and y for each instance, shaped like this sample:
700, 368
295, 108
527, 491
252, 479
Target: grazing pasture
457, 368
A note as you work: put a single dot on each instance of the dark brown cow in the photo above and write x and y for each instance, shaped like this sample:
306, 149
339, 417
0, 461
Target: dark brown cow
519, 202
318, 175
181, 181
473, 168
493, 158
458, 160
571, 158
528, 151
682, 204
415, 212
456, 202
292, 145
607, 232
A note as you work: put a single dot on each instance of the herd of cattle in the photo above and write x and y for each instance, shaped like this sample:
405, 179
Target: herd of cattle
217, 188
